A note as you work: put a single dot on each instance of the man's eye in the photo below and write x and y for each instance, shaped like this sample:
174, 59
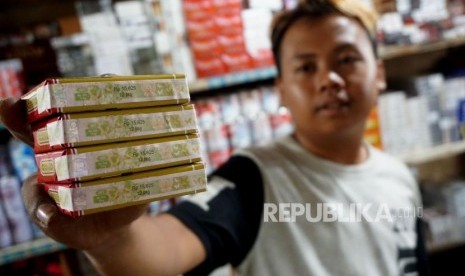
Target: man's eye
348, 60
305, 68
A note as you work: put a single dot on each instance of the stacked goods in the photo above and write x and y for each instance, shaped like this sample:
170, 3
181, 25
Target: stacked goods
81, 129
108, 142
216, 37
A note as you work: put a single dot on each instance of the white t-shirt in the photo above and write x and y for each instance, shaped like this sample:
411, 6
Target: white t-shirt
369, 242
315, 217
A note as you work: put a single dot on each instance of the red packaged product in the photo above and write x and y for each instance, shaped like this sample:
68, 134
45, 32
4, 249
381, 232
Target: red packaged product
227, 6
209, 67
194, 9
262, 58
236, 62
232, 42
228, 22
202, 28
206, 47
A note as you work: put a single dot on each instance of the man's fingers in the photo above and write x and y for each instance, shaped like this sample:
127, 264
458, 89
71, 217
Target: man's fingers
43, 211
39, 206
13, 116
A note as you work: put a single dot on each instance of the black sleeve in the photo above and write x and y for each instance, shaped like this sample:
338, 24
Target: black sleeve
229, 227
420, 251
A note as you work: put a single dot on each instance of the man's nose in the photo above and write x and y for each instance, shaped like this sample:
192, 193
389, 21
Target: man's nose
330, 80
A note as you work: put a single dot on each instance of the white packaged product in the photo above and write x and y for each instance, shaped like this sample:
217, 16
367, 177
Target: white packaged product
5, 234
14, 209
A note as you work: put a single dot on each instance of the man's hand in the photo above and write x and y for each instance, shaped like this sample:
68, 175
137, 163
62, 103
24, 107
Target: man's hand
119, 242
14, 117
84, 232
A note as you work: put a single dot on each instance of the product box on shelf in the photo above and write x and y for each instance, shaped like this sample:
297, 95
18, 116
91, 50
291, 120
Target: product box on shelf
206, 67
5, 233
81, 129
372, 132
22, 159
10, 195
217, 140
11, 78
216, 34
70, 95
82, 198
90, 162
237, 62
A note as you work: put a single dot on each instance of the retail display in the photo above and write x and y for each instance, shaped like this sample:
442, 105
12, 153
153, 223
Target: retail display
231, 122
432, 105
11, 80
20, 227
217, 44
15, 226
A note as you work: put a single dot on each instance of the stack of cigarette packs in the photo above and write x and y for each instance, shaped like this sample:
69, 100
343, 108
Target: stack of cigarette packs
104, 143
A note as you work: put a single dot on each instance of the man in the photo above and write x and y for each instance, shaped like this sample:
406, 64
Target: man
277, 209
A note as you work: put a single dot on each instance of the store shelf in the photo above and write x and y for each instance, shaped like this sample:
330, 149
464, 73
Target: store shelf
232, 79
391, 52
436, 153
29, 249
432, 249
388, 52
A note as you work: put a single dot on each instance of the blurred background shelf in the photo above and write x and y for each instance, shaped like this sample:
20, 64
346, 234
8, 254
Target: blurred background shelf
391, 52
433, 249
29, 249
422, 156
228, 80
386, 53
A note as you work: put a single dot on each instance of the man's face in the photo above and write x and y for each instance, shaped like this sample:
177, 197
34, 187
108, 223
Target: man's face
329, 76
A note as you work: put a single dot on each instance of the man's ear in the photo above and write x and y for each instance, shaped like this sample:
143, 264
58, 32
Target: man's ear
279, 86
380, 76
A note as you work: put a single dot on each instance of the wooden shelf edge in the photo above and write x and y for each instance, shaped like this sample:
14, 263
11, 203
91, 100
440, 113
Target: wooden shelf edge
29, 249
433, 249
391, 52
224, 81
421, 156
387, 52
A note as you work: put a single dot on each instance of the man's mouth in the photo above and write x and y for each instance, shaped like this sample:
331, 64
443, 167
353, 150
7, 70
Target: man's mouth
333, 108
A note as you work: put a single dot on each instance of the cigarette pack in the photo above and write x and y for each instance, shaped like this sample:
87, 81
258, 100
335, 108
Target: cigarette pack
83, 129
70, 95
91, 162
82, 198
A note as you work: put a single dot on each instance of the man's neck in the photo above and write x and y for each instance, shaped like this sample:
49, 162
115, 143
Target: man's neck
343, 150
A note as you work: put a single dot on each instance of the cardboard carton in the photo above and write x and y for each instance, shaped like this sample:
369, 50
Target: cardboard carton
82, 198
